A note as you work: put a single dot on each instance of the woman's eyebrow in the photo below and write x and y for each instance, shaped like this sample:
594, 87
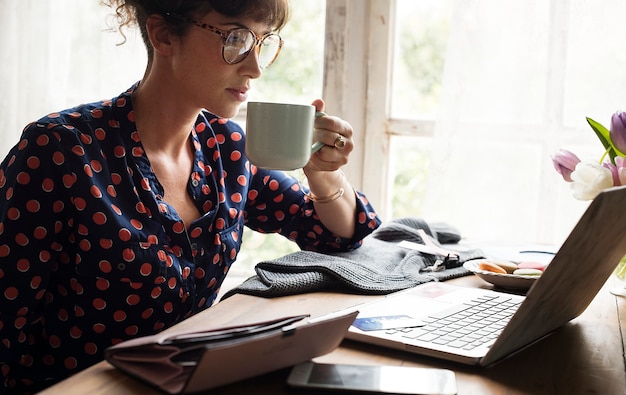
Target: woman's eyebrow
234, 24
244, 26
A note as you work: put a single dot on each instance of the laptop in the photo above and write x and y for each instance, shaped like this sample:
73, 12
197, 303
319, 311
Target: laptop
572, 279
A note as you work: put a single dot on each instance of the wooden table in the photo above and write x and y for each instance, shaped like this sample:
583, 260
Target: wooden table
584, 357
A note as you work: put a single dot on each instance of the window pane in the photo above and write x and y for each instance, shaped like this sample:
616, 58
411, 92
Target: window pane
420, 45
409, 163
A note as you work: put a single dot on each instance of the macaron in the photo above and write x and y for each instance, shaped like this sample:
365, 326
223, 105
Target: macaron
528, 272
532, 265
509, 266
491, 267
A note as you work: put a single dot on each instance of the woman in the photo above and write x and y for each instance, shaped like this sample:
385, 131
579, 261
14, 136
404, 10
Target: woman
121, 218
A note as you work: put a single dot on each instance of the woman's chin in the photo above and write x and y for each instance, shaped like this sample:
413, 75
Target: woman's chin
230, 112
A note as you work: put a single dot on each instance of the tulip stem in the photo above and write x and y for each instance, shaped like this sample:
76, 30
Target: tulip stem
604, 155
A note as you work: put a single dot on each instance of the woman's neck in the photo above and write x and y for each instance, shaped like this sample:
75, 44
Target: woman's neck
162, 121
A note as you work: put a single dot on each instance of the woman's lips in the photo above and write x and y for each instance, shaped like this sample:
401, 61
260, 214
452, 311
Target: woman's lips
240, 94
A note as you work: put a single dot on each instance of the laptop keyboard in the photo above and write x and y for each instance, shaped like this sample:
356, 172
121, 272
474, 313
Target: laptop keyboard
466, 326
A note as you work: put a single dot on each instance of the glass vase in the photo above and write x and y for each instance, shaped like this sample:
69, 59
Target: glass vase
620, 273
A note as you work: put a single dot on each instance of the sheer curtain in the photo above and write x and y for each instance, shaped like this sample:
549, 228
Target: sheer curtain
520, 77
57, 54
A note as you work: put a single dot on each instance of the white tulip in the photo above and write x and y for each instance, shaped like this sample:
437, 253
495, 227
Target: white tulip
589, 179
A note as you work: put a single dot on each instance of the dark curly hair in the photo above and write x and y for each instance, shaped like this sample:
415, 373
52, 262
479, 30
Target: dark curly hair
136, 12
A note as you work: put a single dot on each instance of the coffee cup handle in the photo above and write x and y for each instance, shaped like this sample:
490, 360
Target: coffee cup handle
318, 144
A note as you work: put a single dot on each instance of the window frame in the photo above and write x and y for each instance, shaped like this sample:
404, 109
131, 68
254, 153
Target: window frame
357, 87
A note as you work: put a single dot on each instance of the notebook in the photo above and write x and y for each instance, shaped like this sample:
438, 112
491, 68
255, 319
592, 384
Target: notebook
574, 276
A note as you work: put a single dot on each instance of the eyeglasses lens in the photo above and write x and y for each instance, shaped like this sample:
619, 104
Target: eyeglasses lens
241, 41
269, 50
237, 45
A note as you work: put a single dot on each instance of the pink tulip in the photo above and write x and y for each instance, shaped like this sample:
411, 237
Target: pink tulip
620, 164
614, 172
565, 162
618, 170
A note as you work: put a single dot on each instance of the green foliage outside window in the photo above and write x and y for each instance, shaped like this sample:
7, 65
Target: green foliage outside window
420, 49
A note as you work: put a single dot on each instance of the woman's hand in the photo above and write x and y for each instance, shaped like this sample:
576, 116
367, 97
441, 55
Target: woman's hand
333, 196
336, 135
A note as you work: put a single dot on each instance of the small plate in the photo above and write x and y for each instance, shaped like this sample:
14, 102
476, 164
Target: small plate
509, 281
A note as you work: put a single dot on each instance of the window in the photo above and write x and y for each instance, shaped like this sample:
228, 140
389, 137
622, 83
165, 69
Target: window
470, 99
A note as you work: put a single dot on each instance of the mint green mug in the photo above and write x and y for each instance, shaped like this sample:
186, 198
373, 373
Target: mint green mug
279, 136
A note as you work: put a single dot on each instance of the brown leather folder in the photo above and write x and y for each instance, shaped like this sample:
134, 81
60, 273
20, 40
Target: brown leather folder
187, 362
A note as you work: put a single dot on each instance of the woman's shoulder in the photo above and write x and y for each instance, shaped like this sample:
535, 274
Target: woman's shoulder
89, 121
75, 116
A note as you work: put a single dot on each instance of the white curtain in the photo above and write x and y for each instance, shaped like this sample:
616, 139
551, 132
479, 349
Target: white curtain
57, 54
520, 78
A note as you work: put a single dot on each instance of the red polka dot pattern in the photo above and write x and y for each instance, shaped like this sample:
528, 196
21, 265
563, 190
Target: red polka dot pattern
92, 254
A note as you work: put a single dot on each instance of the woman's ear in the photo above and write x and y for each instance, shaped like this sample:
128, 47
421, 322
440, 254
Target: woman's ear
160, 35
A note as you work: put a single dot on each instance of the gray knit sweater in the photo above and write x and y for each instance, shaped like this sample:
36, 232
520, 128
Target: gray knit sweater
379, 266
